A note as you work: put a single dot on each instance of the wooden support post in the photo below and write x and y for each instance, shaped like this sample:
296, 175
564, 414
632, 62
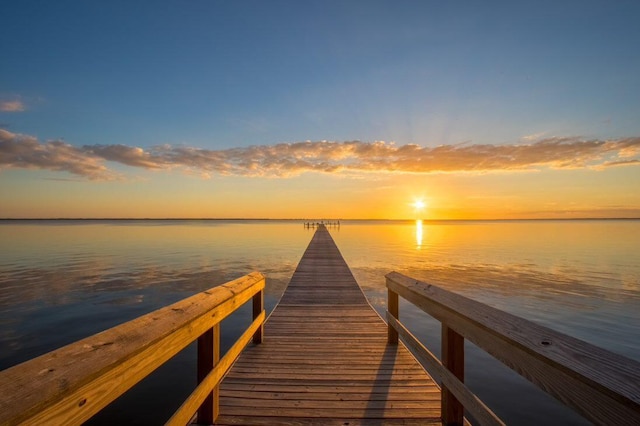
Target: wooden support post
453, 360
208, 357
258, 307
393, 308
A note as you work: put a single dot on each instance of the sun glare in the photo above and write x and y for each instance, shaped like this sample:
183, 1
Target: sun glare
419, 205
418, 234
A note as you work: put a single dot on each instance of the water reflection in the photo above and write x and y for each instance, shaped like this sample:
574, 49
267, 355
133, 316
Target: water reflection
83, 277
62, 281
419, 234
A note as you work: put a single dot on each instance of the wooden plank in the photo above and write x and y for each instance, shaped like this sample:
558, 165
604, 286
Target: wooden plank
601, 385
379, 404
332, 412
327, 370
69, 385
252, 420
381, 377
432, 394
258, 388
390, 385
325, 358
293, 364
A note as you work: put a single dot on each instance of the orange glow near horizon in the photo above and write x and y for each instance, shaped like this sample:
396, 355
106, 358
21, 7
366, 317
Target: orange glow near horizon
549, 194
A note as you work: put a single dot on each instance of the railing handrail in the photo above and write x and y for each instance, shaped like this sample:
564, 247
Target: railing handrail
601, 385
72, 383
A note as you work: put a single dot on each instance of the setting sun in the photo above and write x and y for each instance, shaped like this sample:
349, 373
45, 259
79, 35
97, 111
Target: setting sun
419, 205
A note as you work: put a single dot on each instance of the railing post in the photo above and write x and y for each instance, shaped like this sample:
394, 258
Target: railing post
258, 307
453, 360
393, 308
208, 357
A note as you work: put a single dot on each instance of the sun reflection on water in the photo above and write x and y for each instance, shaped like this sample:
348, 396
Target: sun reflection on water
418, 234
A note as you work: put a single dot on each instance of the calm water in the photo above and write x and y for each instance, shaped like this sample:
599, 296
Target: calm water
64, 280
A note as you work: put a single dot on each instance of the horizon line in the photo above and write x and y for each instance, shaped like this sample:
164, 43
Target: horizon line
314, 219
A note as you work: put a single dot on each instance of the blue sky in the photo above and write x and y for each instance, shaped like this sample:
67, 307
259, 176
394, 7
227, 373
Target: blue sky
224, 74
220, 75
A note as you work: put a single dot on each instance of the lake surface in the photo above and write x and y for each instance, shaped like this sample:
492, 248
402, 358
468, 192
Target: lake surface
64, 280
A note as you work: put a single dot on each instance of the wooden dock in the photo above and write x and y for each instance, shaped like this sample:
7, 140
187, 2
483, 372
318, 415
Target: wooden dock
325, 358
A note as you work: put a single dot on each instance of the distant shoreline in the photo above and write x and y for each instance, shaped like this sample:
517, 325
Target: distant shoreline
235, 219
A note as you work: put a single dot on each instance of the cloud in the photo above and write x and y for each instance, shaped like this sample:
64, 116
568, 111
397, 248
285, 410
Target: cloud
633, 162
131, 156
533, 137
21, 151
15, 105
291, 159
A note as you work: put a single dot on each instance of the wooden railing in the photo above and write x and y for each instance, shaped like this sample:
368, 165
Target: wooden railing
71, 384
602, 386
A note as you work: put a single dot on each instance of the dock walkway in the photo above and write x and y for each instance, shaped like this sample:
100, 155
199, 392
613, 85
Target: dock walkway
325, 358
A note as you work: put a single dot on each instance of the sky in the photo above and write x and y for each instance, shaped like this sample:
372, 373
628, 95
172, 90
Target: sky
320, 109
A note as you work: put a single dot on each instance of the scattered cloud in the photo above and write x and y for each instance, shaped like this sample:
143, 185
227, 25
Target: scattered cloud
15, 105
633, 162
22, 151
290, 159
533, 137
131, 156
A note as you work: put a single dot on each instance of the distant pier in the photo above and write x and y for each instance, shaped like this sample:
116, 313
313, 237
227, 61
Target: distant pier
325, 223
